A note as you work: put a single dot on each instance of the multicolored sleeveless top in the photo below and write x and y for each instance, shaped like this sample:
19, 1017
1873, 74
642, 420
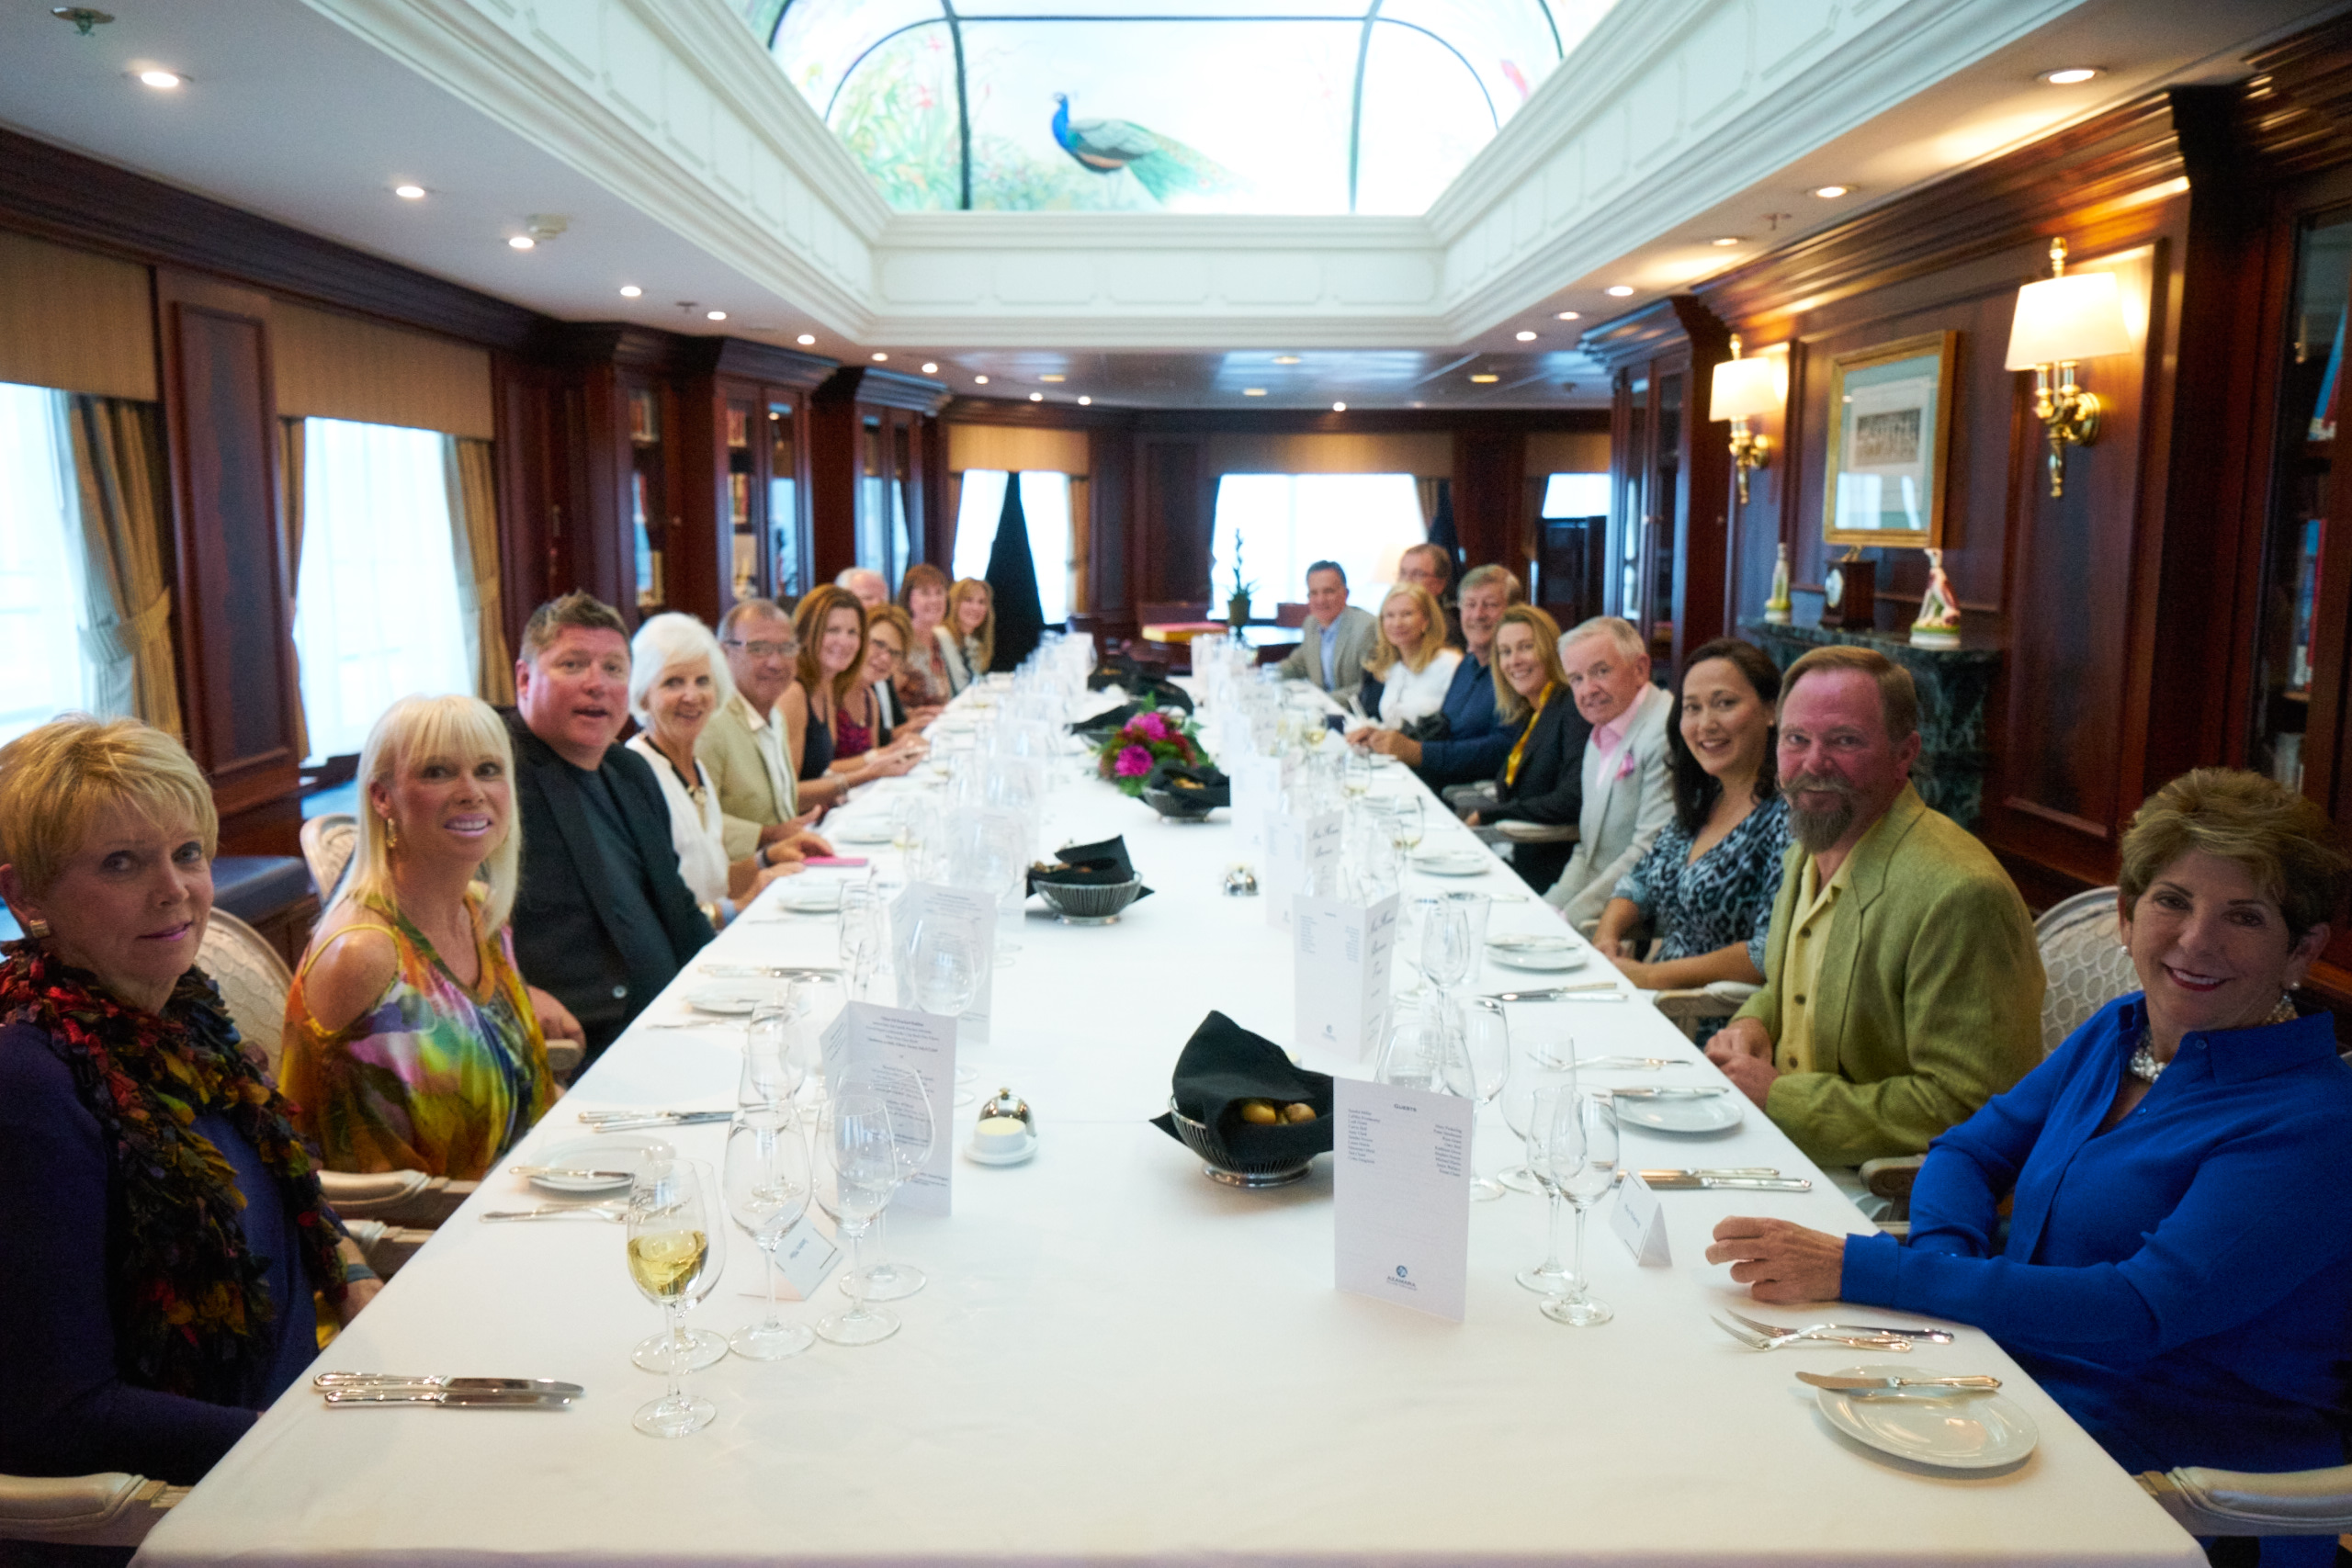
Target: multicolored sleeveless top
435, 1077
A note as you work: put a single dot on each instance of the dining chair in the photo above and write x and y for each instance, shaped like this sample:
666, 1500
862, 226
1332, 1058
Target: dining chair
254, 981
2230, 1502
112, 1509
327, 842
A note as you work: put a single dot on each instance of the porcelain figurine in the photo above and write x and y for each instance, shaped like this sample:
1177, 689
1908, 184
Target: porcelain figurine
1939, 622
1776, 608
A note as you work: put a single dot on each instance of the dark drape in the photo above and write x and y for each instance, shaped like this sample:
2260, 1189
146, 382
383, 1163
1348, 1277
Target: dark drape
1442, 530
1013, 579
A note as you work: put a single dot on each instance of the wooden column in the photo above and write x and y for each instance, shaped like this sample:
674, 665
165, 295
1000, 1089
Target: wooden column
1488, 496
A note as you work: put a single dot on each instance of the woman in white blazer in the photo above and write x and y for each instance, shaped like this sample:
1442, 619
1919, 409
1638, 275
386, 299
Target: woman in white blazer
1410, 661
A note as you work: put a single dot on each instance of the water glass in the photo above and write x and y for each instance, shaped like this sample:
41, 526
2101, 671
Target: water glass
1446, 953
766, 1182
775, 1065
1543, 1116
857, 1172
1477, 1072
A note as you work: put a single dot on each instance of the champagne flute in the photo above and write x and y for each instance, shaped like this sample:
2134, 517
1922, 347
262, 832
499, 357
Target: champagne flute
1476, 1072
1583, 1151
672, 1225
857, 1173
767, 1186
1544, 1119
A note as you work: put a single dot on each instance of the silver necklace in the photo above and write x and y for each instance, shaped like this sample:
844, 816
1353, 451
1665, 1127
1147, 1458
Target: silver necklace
2145, 1067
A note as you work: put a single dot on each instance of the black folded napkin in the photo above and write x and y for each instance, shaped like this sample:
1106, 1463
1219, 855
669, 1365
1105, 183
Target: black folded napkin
1214, 789
1088, 865
1223, 1063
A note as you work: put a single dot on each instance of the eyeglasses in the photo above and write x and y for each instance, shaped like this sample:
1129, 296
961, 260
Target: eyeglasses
766, 650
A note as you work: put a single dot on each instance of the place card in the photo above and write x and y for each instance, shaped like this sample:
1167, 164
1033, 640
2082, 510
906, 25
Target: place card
910, 1057
1400, 1196
971, 912
1258, 783
1340, 956
1639, 1220
805, 1259
1302, 854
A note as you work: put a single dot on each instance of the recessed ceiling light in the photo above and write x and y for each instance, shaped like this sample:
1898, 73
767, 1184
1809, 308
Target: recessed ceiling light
1285, 359
880, 357
807, 340
1036, 396
1569, 316
980, 380
714, 315
1339, 408
2070, 76
632, 291
1524, 337
1619, 290
1085, 402
521, 242
1831, 192
928, 368
409, 192
1253, 392
1486, 380
162, 80
1728, 240
1053, 377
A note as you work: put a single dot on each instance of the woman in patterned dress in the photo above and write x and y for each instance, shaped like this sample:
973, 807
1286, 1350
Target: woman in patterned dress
412, 1043
1706, 886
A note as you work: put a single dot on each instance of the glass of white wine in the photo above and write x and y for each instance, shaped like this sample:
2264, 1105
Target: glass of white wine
1405, 824
674, 1259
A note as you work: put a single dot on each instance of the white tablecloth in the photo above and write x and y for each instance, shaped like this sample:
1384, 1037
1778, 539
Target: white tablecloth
1117, 1359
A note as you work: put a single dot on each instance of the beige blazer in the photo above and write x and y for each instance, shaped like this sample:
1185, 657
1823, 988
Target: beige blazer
743, 750
1623, 814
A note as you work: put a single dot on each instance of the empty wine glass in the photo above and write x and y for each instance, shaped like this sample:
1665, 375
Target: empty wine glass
1582, 1150
674, 1259
1446, 953
1476, 1072
1476, 907
1415, 1054
1518, 1101
856, 1176
774, 1064
1551, 1276
946, 968
766, 1182
861, 937
912, 1133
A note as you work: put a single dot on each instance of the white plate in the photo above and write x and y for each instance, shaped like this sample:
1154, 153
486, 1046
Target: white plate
605, 1151
729, 1001
1712, 1114
1973, 1431
1455, 863
818, 898
869, 830
1548, 961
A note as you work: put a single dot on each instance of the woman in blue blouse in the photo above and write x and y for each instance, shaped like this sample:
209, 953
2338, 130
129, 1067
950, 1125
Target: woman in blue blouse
1705, 889
2177, 1271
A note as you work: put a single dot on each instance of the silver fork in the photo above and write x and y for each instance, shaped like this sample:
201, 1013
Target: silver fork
613, 1211
1809, 1336
1939, 1336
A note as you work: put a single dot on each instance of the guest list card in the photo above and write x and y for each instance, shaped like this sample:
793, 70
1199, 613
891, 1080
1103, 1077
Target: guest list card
1302, 853
1400, 1196
909, 1057
968, 910
1341, 954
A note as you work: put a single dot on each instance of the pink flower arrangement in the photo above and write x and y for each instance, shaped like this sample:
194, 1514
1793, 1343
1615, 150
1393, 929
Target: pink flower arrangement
1144, 741
1149, 724
1133, 763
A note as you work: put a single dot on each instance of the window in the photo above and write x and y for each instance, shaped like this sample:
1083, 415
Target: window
41, 563
376, 603
1575, 495
1044, 502
1282, 523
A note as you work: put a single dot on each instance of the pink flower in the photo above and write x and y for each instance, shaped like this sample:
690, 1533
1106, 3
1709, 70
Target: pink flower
1148, 724
1133, 763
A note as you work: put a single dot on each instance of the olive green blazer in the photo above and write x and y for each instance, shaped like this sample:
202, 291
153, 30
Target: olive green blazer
1930, 992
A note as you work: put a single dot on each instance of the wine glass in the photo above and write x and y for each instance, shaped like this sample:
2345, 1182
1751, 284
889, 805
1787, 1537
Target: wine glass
1414, 1056
911, 1134
673, 1258
856, 1175
861, 935
945, 973
1544, 1119
1527, 1076
1406, 823
774, 1064
1355, 775
1477, 908
766, 1182
1445, 945
1476, 1072
1582, 1149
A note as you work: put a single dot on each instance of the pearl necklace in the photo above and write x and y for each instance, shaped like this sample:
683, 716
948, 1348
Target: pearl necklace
2145, 1067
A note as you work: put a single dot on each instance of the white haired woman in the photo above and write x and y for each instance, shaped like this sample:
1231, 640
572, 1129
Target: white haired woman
677, 680
412, 1042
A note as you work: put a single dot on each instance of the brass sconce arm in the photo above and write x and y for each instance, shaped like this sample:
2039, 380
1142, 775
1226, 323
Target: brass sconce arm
1748, 451
2069, 416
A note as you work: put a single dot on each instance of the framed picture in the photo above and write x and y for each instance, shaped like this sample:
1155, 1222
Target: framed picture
1890, 427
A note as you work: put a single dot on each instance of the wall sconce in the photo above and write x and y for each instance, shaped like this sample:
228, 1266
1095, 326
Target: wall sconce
2059, 321
1744, 390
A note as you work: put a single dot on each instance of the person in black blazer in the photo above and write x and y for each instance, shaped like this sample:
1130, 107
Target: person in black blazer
1541, 779
602, 917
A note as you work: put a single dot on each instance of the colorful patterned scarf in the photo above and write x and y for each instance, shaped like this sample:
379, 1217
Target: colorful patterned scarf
190, 1298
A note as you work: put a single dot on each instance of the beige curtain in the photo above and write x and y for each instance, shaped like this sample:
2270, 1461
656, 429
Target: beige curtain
1081, 541
473, 528
954, 512
1016, 448
328, 365
1425, 487
118, 463
290, 523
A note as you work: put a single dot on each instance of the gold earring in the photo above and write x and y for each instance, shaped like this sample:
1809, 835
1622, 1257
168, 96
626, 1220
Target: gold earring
391, 832
37, 930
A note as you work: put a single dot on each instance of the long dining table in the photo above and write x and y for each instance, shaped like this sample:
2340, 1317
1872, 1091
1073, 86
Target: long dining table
1118, 1359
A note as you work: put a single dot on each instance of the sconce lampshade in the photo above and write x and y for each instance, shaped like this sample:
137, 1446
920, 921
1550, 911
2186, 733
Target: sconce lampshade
1745, 389
2079, 316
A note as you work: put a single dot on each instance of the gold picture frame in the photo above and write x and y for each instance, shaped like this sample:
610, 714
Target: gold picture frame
1890, 437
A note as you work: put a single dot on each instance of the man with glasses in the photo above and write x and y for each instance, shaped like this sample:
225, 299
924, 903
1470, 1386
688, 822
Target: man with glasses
742, 746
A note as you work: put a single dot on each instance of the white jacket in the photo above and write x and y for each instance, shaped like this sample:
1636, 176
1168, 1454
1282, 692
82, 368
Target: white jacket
1407, 696
1622, 812
694, 830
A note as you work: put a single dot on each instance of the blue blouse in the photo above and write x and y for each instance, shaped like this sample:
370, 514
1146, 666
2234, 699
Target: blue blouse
2181, 1284
1724, 897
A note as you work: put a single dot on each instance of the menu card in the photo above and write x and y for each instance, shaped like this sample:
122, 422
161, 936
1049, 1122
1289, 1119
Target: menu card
1302, 853
909, 1058
1258, 785
1341, 954
1400, 1196
971, 912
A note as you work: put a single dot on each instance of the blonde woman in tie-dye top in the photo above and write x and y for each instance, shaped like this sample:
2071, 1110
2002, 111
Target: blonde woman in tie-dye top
412, 1043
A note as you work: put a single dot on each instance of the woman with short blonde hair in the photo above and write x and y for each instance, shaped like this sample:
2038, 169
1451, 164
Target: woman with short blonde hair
412, 1042
1410, 663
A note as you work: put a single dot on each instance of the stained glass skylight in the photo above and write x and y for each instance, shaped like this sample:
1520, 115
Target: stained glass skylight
1187, 106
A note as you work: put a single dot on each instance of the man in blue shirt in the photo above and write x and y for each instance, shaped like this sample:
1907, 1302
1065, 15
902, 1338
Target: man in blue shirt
1337, 637
1476, 740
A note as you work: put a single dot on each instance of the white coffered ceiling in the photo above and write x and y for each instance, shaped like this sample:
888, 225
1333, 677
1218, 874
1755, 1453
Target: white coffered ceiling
684, 164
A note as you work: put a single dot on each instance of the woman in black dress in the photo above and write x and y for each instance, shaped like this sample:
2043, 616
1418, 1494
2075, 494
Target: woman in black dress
1542, 777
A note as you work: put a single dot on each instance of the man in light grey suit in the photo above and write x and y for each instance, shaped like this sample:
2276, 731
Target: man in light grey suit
1337, 638
1628, 790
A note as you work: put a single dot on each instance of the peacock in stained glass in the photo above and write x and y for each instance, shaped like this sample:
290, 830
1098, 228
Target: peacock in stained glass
1161, 164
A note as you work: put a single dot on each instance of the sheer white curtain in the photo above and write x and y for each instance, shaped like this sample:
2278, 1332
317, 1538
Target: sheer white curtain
42, 672
1282, 523
376, 612
1044, 502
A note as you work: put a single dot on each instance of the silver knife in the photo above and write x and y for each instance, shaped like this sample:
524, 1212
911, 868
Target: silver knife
385, 1381
488, 1399
1713, 1170
1933, 1335
1888, 1385
1600, 991
1643, 1064
768, 971
662, 1119
1665, 1093
1677, 1180
570, 1173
